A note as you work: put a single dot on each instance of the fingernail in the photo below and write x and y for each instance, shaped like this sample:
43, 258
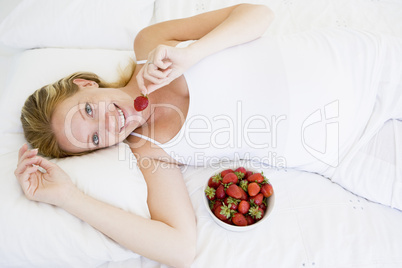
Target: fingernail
35, 150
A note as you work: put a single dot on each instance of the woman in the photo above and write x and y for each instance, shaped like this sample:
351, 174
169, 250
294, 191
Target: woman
236, 99
169, 236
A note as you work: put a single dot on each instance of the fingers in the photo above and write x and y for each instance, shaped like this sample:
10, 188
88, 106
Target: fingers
27, 154
44, 163
162, 64
155, 76
156, 72
22, 150
27, 173
22, 166
153, 87
30, 158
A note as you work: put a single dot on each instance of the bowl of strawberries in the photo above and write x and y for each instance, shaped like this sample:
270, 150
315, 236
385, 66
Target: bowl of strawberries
239, 199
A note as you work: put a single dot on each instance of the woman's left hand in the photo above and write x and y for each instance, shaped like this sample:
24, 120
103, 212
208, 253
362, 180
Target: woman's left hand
53, 186
165, 63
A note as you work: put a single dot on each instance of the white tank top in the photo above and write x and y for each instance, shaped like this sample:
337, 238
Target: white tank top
285, 101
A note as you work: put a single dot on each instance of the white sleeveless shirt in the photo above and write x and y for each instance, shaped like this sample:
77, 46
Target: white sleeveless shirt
300, 100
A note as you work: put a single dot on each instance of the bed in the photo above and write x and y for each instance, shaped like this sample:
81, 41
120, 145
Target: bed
316, 222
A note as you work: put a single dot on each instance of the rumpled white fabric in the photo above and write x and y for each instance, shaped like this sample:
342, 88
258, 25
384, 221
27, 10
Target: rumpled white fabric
76, 23
34, 234
316, 223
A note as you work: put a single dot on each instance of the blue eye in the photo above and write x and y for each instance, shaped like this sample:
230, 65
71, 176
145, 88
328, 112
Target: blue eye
95, 139
88, 109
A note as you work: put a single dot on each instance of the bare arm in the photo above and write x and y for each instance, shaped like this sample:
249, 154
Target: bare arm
215, 31
168, 237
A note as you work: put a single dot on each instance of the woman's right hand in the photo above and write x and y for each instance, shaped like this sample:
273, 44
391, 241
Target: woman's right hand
164, 64
52, 187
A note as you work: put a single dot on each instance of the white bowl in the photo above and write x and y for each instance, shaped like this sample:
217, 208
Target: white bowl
234, 228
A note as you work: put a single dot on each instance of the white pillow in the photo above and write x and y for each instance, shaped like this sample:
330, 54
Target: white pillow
39, 67
40, 235
76, 23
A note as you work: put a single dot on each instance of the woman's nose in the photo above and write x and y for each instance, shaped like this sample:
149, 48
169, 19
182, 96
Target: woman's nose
111, 123
106, 121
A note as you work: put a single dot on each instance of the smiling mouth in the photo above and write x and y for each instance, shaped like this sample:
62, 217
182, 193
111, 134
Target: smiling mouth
122, 117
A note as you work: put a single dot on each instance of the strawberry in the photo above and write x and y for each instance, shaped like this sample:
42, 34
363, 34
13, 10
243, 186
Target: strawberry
243, 207
223, 173
220, 192
141, 102
234, 191
256, 212
262, 212
239, 219
248, 174
215, 181
256, 177
228, 221
230, 178
267, 190
240, 172
257, 199
253, 189
249, 220
241, 169
210, 193
243, 184
231, 202
222, 212
244, 195
216, 203
263, 206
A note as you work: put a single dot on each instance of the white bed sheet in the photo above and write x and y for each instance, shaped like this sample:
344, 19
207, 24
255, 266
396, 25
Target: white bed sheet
316, 223
7, 54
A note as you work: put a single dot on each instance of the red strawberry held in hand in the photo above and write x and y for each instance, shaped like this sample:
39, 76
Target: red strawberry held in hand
141, 102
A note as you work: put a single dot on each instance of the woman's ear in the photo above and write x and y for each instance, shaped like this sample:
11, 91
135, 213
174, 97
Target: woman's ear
83, 83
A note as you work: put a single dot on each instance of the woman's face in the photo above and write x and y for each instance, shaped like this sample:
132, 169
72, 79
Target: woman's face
94, 118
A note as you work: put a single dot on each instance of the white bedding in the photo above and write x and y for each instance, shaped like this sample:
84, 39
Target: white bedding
315, 223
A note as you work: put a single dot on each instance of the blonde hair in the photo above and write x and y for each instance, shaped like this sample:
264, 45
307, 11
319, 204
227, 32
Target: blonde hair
38, 109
